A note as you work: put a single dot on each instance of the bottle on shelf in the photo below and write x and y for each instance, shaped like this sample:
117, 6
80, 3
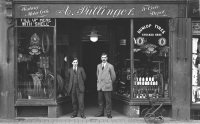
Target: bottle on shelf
139, 81
149, 78
146, 81
156, 83
142, 82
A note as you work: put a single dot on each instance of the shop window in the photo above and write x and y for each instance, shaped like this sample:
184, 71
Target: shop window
195, 62
151, 58
63, 58
195, 69
123, 69
35, 63
122, 59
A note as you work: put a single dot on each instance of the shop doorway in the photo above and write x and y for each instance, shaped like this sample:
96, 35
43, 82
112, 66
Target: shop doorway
91, 53
73, 40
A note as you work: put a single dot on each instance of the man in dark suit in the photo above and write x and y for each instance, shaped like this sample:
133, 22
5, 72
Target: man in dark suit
76, 88
105, 78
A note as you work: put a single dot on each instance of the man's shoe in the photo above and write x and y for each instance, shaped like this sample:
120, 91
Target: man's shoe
109, 116
83, 116
99, 115
73, 116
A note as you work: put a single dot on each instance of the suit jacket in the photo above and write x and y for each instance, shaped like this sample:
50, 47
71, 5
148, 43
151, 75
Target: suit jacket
105, 77
81, 79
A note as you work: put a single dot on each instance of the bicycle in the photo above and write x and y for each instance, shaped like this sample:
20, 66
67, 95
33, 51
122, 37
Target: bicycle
155, 112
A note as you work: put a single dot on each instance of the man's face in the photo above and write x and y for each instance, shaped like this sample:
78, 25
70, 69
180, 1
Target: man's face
104, 58
75, 63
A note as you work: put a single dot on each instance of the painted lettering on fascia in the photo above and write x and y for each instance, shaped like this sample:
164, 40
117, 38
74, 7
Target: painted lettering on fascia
154, 10
29, 11
98, 10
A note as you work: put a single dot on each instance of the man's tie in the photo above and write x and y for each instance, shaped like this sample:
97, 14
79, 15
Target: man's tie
102, 67
74, 70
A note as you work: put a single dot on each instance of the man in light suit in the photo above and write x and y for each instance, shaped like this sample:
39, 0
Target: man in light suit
105, 78
76, 88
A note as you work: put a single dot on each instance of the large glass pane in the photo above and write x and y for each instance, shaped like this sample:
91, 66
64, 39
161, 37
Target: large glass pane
62, 57
195, 70
35, 65
196, 62
151, 58
122, 58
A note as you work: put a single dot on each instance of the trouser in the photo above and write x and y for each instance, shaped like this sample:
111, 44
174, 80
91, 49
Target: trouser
104, 99
77, 101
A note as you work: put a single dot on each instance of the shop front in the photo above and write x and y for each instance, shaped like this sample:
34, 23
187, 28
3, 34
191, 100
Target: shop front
148, 43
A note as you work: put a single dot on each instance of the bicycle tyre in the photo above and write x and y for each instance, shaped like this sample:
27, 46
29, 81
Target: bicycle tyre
160, 119
149, 117
144, 112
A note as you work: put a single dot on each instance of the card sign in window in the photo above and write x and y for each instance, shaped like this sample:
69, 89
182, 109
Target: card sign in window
35, 22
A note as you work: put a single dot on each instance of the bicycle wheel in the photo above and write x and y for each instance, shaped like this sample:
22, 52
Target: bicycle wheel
150, 110
144, 112
159, 119
149, 117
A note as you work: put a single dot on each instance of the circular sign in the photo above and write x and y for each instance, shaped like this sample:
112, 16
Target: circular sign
162, 41
35, 45
140, 41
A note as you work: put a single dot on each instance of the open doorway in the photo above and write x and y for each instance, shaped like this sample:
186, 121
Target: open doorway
91, 53
73, 41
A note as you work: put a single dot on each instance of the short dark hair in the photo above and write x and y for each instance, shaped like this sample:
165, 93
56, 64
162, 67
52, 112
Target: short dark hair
104, 54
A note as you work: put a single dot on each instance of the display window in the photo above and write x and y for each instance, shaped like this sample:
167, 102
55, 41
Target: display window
45, 52
151, 58
35, 59
196, 62
122, 61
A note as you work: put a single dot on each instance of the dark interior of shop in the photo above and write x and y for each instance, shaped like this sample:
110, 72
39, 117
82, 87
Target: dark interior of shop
73, 41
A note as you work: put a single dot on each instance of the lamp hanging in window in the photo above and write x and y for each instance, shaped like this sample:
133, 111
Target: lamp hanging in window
94, 37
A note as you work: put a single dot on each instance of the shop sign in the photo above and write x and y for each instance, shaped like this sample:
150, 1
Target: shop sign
94, 10
144, 33
35, 22
162, 41
196, 28
34, 47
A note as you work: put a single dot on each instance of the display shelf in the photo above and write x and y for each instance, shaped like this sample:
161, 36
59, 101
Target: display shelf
35, 102
140, 101
135, 101
195, 106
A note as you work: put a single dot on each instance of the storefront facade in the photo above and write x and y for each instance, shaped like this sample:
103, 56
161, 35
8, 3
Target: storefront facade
148, 42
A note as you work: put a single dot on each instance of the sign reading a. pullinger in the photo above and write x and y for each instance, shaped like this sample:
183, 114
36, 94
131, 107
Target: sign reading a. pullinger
94, 10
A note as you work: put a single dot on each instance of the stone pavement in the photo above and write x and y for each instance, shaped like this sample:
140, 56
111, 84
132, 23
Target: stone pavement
88, 120
90, 111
